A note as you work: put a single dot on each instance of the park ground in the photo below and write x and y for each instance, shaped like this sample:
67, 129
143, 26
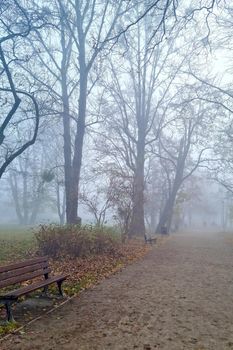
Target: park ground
179, 296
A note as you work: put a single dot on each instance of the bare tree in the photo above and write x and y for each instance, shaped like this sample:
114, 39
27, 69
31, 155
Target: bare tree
81, 28
98, 203
16, 23
28, 178
91, 26
135, 90
181, 152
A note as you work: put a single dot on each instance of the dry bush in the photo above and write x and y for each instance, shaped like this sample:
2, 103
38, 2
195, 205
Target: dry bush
75, 241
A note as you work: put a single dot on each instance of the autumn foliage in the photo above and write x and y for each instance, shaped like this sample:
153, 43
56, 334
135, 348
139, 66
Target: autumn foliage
77, 241
88, 254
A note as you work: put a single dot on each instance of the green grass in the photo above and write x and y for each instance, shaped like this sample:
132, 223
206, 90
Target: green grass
16, 243
8, 328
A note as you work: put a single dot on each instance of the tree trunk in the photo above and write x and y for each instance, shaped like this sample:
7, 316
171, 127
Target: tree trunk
62, 217
153, 217
66, 129
166, 216
25, 199
16, 199
137, 224
36, 207
78, 150
60, 202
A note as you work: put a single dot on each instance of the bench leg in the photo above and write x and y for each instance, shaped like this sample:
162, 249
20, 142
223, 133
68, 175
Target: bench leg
10, 317
45, 291
149, 241
46, 288
59, 284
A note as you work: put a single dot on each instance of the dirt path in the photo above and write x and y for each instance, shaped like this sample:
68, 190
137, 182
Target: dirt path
179, 296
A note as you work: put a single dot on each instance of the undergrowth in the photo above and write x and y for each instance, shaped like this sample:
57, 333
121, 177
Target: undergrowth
76, 241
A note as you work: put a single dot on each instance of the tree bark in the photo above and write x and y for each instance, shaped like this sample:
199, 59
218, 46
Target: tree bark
15, 195
78, 148
166, 215
137, 225
66, 125
67, 148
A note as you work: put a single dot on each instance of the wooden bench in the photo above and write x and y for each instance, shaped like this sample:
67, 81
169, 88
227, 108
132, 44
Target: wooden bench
26, 271
150, 240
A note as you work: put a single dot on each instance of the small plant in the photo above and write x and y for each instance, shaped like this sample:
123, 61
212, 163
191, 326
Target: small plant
9, 327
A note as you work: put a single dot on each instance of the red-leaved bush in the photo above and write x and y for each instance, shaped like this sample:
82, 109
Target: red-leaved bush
76, 241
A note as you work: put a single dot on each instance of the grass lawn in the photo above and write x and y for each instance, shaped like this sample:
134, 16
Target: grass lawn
16, 243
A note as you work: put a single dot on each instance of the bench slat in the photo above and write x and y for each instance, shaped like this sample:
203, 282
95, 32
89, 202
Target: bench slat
24, 277
32, 287
10, 267
23, 270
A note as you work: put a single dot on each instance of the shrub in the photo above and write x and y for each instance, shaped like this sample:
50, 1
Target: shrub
77, 241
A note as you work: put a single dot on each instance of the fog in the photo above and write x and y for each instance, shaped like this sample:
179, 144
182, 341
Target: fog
116, 149
125, 120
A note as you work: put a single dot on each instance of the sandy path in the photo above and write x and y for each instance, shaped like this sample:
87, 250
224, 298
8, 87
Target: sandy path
180, 296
